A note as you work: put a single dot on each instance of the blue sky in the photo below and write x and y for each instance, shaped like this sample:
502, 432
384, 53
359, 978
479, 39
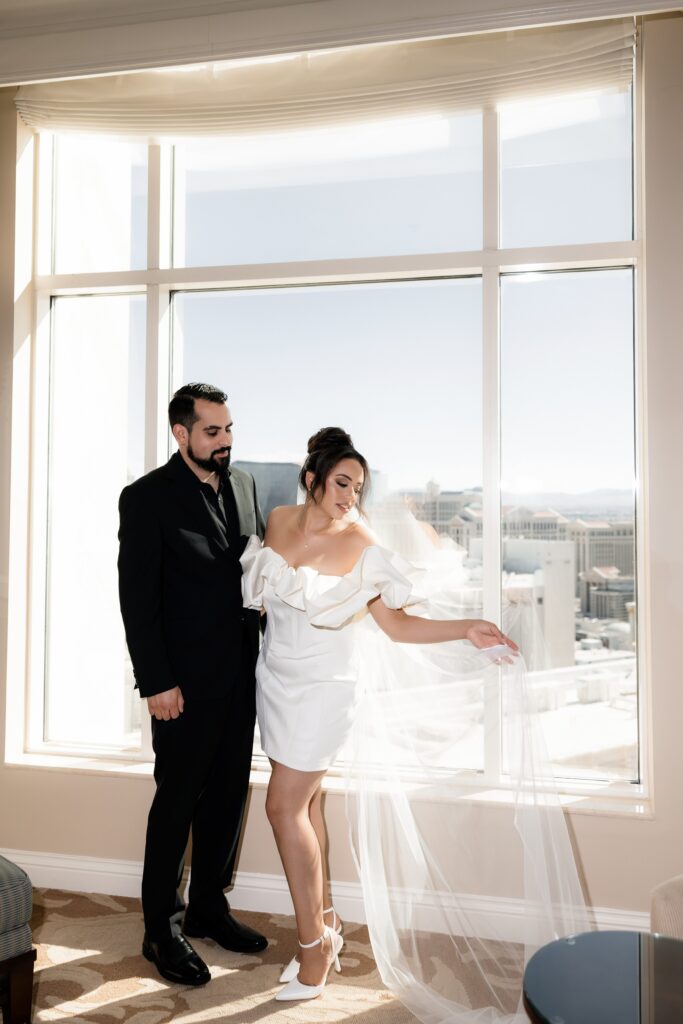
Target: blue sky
399, 365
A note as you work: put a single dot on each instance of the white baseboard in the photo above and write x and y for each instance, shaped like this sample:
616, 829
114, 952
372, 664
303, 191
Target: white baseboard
498, 916
79, 874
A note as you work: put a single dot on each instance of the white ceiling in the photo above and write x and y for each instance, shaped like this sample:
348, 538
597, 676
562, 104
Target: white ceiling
34, 17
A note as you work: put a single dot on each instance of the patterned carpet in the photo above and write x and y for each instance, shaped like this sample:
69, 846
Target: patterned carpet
90, 970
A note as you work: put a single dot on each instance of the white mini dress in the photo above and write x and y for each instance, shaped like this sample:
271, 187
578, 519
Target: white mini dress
307, 671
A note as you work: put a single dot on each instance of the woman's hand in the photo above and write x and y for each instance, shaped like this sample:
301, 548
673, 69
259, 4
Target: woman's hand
485, 634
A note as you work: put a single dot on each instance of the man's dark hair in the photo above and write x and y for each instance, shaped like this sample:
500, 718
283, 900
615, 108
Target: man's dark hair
181, 406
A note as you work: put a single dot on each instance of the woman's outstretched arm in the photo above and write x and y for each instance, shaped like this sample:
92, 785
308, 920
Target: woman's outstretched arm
413, 629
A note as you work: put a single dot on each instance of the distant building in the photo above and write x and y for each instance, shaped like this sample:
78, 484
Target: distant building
632, 614
608, 637
534, 524
454, 514
540, 574
606, 594
602, 543
462, 528
276, 483
619, 637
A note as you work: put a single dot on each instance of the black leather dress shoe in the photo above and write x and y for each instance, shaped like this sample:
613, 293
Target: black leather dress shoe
176, 960
226, 931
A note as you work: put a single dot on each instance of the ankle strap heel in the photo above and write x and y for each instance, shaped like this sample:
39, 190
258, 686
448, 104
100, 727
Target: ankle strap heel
292, 968
295, 989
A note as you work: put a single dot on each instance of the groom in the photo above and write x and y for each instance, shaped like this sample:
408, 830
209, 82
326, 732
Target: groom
193, 648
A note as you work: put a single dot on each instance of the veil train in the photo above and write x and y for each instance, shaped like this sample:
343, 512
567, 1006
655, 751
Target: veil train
459, 837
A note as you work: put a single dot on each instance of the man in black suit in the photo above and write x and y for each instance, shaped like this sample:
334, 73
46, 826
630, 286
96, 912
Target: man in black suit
193, 648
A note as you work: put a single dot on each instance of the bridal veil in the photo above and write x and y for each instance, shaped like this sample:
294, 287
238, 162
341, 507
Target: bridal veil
463, 852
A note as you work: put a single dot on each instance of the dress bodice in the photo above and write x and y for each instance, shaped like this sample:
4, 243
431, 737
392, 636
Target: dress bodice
308, 668
327, 600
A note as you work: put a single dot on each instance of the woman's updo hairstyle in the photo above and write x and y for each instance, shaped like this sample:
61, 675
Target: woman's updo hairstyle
326, 449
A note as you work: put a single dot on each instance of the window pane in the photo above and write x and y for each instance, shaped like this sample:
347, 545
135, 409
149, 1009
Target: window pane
96, 447
568, 461
566, 170
397, 365
100, 197
386, 188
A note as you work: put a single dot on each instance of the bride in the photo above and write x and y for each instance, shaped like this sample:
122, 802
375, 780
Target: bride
319, 571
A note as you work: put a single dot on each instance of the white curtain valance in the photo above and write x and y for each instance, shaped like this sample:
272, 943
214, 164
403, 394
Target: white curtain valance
340, 85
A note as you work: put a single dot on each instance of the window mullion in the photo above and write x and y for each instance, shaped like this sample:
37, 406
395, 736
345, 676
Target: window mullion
38, 531
154, 212
156, 340
157, 329
157, 374
643, 584
159, 173
491, 438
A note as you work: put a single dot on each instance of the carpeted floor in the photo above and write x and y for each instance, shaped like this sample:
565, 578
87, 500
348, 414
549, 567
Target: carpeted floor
90, 969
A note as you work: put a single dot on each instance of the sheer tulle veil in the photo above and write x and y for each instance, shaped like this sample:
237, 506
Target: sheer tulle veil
460, 841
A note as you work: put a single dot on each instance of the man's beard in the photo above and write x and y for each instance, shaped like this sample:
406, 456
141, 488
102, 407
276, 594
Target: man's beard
212, 464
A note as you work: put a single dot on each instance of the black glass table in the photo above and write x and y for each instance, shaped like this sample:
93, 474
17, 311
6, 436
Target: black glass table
606, 978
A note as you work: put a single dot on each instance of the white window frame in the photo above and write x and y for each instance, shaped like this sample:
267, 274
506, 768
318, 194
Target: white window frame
157, 283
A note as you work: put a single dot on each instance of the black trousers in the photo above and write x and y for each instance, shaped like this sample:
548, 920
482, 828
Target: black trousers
202, 762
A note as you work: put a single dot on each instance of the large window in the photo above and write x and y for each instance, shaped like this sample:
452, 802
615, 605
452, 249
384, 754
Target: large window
457, 291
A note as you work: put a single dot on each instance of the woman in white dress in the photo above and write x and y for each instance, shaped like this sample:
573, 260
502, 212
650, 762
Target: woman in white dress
318, 571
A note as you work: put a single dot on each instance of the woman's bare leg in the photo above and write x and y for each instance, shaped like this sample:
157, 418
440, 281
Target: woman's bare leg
315, 813
288, 803
318, 822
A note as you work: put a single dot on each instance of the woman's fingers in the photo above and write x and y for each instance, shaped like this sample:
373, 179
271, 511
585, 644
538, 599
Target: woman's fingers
509, 642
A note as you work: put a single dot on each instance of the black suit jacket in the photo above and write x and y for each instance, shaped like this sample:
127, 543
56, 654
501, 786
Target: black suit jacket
180, 583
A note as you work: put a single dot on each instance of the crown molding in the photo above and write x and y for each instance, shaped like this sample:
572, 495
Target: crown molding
42, 40
21, 18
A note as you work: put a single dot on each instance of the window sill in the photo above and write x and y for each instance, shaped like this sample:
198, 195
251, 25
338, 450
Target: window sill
94, 764
595, 799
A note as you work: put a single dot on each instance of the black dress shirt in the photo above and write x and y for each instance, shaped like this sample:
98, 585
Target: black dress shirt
222, 508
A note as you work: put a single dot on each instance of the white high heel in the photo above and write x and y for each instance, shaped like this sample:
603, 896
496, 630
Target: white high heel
296, 989
292, 968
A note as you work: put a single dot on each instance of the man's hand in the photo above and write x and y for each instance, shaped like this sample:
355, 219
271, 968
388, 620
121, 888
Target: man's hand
168, 704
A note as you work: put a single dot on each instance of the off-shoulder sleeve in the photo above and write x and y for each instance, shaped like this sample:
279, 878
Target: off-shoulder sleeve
254, 570
377, 573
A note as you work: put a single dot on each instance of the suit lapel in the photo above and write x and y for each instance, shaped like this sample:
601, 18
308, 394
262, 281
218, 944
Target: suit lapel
243, 503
